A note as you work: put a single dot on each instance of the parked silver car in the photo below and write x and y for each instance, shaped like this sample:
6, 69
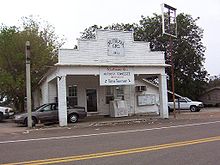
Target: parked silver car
49, 113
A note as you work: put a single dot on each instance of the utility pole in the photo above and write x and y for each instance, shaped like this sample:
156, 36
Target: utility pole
172, 77
28, 82
169, 28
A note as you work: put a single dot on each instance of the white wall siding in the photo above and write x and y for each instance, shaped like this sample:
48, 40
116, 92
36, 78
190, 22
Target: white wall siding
149, 90
94, 52
44, 92
103, 108
52, 91
129, 95
37, 98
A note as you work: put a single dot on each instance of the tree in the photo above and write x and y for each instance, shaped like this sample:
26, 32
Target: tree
44, 44
89, 33
188, 50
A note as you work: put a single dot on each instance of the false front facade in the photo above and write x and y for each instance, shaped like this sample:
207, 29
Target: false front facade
105, 75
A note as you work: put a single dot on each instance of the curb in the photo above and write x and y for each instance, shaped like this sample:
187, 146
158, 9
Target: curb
88, 124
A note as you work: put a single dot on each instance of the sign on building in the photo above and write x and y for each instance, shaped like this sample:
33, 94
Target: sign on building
147, 99
115, 47
116, 76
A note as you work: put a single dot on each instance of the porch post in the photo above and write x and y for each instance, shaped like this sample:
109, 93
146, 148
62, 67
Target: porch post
62, 103
163, 96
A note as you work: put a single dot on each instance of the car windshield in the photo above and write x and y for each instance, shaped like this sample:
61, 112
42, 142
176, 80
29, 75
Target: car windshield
39, 107
189, 100
44, 105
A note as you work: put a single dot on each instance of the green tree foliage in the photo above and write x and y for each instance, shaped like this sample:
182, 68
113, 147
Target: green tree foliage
89, 33
187, 49
44, 44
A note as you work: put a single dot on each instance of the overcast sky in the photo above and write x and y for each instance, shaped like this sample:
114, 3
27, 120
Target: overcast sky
70, 17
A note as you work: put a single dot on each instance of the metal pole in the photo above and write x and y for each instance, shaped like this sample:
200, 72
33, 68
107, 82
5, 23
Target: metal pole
172, 76
28, 82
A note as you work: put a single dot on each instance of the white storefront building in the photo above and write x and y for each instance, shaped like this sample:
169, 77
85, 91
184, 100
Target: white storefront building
105, 75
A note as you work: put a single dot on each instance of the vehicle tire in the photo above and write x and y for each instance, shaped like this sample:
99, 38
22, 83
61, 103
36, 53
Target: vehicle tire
1, 117
193, 108
170, 110
73, 118
34, 122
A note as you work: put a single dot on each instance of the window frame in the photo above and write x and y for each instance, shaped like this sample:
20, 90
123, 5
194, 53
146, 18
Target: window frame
72, 95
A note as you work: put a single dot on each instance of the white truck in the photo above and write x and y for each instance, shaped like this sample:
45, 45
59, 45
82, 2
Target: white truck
185, 103
5, 112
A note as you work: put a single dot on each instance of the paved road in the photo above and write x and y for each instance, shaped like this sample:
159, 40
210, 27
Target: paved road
164, 142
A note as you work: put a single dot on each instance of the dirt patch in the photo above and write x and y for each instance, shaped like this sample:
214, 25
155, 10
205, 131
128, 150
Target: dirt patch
205, 113
8, 126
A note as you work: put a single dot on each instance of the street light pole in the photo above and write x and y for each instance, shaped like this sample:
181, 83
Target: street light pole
28, 82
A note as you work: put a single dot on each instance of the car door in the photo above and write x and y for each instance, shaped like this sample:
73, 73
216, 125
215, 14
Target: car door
47, 113
183, 103
54, 113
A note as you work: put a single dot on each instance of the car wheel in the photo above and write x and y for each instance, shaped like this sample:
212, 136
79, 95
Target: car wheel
34, 121
193, 108
73, 118
170, 110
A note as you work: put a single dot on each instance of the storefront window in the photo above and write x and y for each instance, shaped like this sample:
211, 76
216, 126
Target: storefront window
72, 98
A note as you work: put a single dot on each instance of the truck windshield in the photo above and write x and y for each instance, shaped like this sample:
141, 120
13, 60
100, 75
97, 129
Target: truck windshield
189, 100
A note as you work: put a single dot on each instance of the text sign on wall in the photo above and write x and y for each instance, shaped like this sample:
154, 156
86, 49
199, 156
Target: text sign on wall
147, 99
115, 47
116, 76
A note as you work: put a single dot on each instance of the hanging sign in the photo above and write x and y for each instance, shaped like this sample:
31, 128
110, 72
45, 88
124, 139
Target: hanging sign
116, 76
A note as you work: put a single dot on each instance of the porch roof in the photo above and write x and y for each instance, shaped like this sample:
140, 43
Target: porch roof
115, 64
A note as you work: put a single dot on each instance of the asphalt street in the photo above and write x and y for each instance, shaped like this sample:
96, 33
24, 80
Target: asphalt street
187, 140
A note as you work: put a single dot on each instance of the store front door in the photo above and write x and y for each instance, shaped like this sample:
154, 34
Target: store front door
91, 96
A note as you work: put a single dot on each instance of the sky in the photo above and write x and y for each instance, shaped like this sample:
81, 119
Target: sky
71, 17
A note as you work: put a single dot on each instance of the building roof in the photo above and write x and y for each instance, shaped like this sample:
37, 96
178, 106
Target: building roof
211, 89
155, 85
